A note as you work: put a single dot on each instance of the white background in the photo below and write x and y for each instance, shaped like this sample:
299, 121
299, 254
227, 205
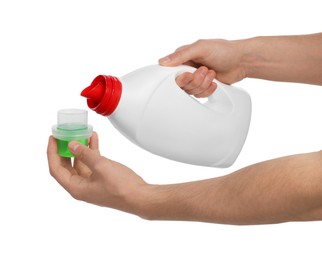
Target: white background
51, 50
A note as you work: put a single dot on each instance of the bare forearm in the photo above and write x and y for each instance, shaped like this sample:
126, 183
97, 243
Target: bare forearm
279, 190
284, 58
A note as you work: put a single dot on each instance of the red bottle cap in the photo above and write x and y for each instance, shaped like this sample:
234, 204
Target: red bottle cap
103, 95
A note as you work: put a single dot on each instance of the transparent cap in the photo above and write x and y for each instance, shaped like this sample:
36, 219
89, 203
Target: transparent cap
72, 125
72, 119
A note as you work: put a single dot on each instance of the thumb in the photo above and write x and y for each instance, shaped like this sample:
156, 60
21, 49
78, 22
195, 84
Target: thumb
84, 154
183, 55
173, 59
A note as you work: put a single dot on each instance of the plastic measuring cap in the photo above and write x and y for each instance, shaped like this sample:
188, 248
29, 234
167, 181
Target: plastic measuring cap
71, 126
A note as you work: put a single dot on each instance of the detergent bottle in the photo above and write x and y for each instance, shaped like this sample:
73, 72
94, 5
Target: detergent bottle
152, 111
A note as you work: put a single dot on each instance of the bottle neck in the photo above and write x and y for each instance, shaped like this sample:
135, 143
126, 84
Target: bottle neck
104, 94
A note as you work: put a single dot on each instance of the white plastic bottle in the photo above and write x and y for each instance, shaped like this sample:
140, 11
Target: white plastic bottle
149, 108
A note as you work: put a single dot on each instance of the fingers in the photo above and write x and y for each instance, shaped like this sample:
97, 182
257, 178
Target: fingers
211, 89
85, 154
60, 168
54, 160
53, 157
182, 55
74, 180
80, 167
93, 142
184, 80
199, 84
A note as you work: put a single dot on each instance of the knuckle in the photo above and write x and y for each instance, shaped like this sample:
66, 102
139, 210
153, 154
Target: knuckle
200, 42
180, 80
82, 153
189, 91
209, 91
205, 86
51, 172
77, 194
178, 55
201, 95
197, 80
100, 165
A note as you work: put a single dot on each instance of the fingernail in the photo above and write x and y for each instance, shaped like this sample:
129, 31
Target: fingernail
187, 78
203, 71
73, 146
165, 60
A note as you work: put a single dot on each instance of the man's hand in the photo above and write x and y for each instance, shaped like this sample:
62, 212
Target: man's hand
94, 178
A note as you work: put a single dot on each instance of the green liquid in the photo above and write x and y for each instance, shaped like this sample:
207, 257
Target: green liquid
71, 127
63, 150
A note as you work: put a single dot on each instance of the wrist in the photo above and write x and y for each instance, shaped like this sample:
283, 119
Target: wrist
162, 202
148, 201
183, 201
250, 58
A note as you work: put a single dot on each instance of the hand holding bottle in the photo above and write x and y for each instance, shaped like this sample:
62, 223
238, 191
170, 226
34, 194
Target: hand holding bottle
290, 58
220, 59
